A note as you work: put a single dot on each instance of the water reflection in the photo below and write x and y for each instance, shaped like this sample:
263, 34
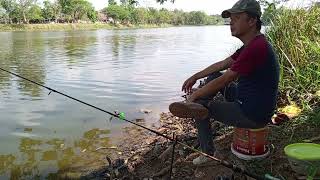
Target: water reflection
54, 154
7, 62
76, 46
24, 56
123, 50
115, 43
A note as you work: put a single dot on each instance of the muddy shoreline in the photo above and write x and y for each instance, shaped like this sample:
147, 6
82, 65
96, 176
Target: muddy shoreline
143, 155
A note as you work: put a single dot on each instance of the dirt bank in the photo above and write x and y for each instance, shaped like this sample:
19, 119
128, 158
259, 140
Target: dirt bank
143, 155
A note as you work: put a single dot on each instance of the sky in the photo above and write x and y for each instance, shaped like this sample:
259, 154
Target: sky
208, 6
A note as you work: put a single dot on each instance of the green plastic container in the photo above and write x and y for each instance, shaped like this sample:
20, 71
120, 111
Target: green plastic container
304, 158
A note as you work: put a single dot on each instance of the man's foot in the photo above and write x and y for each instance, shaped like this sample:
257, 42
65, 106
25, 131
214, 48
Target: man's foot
188, 110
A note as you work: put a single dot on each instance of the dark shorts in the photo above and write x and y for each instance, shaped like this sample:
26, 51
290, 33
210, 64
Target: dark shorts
227, 111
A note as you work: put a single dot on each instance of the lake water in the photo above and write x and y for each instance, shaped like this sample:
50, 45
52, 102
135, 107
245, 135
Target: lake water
122, 70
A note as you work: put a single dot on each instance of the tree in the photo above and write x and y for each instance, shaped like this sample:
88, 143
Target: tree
92, 14
270, 9
153, 15
197, 18
133, 2
16, 14
117, 13
3, 15
35, 14
47, 10
140, 16
24, 6
178, 17
9, 6
18, 11
162, 1
164, 16
51, 10
77, 9
112, 2
65, 7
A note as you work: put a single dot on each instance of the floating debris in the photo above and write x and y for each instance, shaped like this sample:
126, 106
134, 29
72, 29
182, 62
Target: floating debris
146, 111
140, 120
27, 129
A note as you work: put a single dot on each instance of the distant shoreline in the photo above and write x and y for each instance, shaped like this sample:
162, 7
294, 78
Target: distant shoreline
76, 26
72, 26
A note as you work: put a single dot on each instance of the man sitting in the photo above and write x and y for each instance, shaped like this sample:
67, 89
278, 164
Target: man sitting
252, 100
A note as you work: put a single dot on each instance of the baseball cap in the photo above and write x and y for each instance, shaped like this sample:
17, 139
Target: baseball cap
251, 6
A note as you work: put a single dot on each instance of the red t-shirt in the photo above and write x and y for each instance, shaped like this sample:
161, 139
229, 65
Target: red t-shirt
258, 80
250, 57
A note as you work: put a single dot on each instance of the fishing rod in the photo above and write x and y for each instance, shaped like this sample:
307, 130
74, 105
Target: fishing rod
122, 117
118, 115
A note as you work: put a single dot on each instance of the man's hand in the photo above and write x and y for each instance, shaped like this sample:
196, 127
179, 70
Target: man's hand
214, 86
187, 85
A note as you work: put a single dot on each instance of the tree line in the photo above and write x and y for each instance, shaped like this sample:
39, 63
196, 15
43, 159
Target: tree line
29, 11
125, 12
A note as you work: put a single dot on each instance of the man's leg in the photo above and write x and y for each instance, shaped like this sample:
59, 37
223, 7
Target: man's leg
204, 131
203, 125
231, 114
228, 113
220, 111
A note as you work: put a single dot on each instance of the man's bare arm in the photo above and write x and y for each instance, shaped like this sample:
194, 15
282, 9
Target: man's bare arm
215, 85
219, 66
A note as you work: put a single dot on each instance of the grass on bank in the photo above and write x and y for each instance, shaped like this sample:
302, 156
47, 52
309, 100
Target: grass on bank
295, 34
